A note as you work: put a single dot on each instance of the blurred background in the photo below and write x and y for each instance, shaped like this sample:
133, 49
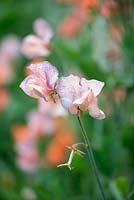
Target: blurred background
90, 38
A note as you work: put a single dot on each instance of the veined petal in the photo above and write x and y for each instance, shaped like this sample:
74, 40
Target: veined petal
31, 87
95, 85
83, 102
67, 89
47, 72
94, 110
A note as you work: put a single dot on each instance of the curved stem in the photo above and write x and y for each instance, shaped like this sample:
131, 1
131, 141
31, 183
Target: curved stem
91, 158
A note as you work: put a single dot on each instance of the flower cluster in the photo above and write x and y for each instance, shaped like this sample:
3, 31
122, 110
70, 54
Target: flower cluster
48, 120
75, 94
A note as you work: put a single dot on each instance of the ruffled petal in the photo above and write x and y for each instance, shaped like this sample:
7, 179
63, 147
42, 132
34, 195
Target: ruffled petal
94, 85
30, 86
67, 90
46, 72
94, 110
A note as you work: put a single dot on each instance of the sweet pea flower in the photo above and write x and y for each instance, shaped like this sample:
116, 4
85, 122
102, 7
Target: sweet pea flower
39, 44
42, 82
78, 94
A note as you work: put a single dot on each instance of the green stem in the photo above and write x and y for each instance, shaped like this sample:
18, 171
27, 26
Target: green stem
91, 158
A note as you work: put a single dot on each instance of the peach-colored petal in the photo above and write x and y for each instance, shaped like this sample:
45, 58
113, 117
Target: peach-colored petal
73, 109
46, 71
31, 86
82, 103
94, 110
43, 30
33, 46
95, 85
42, 82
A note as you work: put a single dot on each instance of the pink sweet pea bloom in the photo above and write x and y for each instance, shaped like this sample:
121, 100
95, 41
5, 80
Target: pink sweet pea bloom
39, 44
78, 94
42, 82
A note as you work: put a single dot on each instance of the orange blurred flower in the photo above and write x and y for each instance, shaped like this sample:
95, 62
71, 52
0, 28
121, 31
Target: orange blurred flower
115, 30
5, 74
20, 132
108, 8
4, 98
82, 3
73, 23
119, 94
90, 3
56, 152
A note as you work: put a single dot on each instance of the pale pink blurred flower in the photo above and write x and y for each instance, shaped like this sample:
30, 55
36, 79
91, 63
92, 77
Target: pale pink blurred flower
27, 148
9, 49
42, 82
39, 124
27, 163
51, 109
43, 30
8, 54
38, 45
33, 47
78, 94
27, 156
41, 121
28, 194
